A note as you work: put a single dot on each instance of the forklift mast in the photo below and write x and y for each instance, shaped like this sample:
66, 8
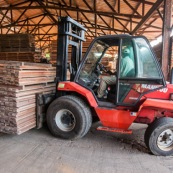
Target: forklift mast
71, 33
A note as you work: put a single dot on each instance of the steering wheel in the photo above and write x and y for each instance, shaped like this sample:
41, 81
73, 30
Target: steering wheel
102, 67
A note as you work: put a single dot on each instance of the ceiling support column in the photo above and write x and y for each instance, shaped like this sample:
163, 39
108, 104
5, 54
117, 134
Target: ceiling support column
167, 25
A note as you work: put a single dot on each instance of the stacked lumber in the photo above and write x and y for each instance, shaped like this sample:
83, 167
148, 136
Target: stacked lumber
171, 66
17, 43
53, 49
17, 47
19, 83
86, 45
18, 56
21, 56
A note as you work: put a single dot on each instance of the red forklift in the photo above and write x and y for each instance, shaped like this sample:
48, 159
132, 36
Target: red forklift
140, 96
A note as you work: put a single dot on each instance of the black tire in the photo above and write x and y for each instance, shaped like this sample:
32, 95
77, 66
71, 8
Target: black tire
65, 109
159, 137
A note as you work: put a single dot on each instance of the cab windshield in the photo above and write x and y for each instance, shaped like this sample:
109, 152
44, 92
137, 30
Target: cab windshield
93, 58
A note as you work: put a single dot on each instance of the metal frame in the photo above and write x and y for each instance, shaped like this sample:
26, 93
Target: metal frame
94, 29
69, 33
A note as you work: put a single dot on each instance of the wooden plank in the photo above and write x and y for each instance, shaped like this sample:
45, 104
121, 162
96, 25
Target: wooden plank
33, 73
25, 81
26, 74
12, 88
37, 80
18, 103
26, 123
16, 114
29, 126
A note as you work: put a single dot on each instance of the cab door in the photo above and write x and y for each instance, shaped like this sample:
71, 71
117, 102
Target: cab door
139, 71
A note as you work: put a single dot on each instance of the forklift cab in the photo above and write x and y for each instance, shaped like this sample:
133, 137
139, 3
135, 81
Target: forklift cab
136, 68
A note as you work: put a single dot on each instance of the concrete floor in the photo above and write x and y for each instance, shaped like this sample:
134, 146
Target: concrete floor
37, 151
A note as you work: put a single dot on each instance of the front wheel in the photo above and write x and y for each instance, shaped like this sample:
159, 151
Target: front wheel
69, 117
159, 137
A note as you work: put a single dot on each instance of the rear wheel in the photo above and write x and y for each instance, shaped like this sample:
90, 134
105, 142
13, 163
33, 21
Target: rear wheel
159, 137
69, 117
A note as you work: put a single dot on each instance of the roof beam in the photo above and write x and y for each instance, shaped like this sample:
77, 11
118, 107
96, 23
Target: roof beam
40, 15
89, 30
47, 11
4, 15
34, 17
85, 18
149, 25
109, 5
22, 13
147, 16
22, 27
87, 4
35, 26
68, 8
112, 17
49, 24
145, 2
134, 10
160, 14
21, 3
47, 32
130, 21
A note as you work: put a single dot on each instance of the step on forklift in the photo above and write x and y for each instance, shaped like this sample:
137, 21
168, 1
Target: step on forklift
141, 95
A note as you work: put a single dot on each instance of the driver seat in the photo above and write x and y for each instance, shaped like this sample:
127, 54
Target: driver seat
111, 93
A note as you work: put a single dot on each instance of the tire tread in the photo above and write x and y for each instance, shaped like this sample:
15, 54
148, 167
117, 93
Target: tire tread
157, 124
81, 106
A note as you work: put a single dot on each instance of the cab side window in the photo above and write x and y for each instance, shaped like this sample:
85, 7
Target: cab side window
147, 67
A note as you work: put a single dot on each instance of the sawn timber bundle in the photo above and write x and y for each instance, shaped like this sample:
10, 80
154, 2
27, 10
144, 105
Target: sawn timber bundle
18, 47
19, 83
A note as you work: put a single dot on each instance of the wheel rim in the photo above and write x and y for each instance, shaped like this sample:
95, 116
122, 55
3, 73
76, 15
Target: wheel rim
165, 140
65, 120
